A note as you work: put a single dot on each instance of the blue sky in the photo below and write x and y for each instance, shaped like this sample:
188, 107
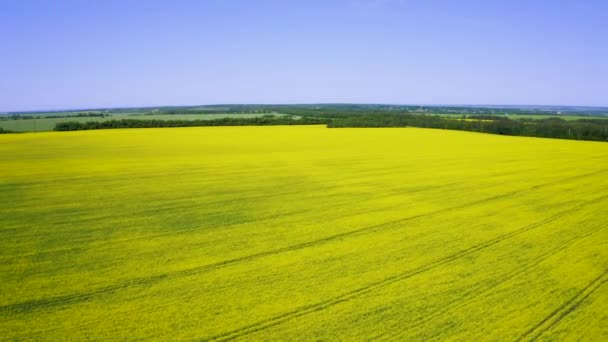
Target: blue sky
85, 54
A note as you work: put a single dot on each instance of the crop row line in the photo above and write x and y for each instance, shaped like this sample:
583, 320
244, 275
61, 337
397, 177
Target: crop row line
350, 295
80, 297
557, 315
478, 291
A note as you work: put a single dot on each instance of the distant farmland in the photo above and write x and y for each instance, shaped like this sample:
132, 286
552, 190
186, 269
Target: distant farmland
302, 233
48, 123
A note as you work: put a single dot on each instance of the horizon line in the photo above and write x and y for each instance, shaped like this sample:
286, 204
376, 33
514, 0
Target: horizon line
74, 109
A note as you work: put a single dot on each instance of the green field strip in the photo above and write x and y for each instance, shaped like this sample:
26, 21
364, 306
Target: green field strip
48, 124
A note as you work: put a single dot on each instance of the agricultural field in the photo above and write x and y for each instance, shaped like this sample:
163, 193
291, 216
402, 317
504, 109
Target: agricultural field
48, 124
302, 233
532, 116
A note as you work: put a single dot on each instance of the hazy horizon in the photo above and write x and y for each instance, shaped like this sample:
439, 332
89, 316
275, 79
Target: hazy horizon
70, 55
486, 105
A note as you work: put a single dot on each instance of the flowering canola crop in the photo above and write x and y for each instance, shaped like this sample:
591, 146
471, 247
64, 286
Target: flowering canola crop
305, 233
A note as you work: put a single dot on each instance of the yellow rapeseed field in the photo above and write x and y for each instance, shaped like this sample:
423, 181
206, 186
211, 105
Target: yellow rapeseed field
302, 233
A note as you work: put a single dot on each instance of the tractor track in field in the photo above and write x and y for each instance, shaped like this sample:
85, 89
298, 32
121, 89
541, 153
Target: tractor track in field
347, 296
480, 290
557, 315
38, 304
367, 229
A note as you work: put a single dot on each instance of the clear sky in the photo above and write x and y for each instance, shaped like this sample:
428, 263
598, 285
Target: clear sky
83, 54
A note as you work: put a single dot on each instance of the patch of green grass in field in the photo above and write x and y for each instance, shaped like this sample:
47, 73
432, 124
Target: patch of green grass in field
301, 233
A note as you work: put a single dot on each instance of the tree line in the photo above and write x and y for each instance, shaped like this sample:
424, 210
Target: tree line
582, 129
134, 123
